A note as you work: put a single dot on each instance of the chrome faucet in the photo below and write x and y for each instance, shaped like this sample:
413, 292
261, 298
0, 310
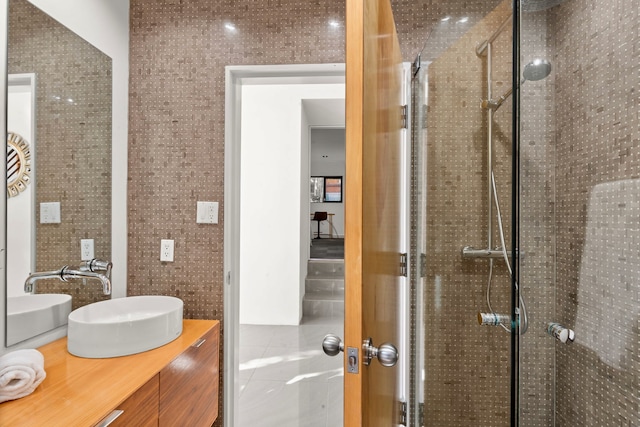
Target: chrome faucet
66, 273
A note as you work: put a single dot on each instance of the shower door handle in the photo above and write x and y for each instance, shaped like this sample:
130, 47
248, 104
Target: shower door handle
387, 354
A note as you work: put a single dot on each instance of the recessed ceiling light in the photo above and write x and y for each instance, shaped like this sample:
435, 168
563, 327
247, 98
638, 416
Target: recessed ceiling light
463, 20
229, 26
334, 24
446, 18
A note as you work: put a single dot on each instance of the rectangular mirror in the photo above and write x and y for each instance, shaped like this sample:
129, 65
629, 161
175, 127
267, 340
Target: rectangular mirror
59, 106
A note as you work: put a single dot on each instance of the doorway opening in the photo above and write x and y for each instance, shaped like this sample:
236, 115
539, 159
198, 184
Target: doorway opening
270, 352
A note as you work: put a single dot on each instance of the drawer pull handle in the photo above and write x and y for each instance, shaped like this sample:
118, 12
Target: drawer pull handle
110, 418
198, 343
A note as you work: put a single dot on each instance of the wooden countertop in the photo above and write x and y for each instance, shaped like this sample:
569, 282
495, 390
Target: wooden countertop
80, 392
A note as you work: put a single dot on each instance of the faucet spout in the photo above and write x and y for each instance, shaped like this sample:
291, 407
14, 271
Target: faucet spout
30, 283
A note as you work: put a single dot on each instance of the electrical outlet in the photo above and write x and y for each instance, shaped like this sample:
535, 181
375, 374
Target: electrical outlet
166, 250
86, 250
207, 213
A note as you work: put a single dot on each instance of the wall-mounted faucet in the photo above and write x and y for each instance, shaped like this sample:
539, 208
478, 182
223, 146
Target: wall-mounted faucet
66, 273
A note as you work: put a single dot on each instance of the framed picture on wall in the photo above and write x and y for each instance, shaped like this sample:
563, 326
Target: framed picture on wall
333, 189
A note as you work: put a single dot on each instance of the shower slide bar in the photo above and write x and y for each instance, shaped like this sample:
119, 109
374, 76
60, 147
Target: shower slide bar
482, 46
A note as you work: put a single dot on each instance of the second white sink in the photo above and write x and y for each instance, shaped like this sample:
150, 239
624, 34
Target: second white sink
123, 326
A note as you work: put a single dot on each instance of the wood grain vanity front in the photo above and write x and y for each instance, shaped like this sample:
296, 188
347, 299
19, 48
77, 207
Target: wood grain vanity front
177, 382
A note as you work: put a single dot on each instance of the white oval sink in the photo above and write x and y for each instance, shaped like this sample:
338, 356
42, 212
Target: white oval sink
123, 326
31, 315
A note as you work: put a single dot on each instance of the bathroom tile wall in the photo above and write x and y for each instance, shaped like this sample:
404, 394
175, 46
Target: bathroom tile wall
597, 62
73, 141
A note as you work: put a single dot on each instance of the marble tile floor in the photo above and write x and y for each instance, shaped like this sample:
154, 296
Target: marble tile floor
286, 379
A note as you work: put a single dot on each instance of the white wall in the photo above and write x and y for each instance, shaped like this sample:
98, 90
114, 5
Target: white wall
105, 24
271, 198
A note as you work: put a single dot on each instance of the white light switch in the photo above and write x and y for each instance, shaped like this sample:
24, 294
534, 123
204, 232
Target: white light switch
207, 213
50, 213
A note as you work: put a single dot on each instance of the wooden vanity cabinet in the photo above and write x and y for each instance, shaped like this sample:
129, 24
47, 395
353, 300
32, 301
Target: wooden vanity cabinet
173, 385
189, 384
141, 408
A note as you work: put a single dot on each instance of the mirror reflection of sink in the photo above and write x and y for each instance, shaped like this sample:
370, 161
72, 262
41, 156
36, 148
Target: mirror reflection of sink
123, 326
31, 315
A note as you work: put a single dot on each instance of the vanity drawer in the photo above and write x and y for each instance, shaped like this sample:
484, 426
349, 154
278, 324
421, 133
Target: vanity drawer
140, 409
189, 384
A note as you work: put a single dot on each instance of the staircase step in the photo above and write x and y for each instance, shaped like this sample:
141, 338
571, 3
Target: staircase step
322, 308
320, 285
325, 267
323, 296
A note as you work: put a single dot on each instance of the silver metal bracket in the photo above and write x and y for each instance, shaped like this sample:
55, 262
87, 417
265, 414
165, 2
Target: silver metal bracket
352, 360
403, 114
403, 413
403, 265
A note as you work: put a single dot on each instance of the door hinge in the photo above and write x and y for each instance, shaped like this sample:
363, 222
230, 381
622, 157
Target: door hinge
403, 265
403, 413
423, 265
403, 114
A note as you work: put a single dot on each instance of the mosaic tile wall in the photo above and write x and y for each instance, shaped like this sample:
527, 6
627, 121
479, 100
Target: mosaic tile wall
73, 141
467, 365
597, 62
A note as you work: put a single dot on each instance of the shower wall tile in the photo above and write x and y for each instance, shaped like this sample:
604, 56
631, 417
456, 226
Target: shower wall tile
73, 142
597, 62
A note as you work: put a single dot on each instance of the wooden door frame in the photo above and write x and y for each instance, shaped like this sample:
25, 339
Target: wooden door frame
236, 77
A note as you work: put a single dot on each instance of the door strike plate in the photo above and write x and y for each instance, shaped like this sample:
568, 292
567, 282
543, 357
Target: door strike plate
352, 360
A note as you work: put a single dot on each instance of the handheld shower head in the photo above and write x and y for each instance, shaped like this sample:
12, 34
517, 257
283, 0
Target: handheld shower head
535, 70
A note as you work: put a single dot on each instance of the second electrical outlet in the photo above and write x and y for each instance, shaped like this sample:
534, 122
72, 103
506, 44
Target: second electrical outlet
166, 250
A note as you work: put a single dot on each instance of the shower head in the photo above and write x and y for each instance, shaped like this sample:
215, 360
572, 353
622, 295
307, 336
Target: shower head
535, 70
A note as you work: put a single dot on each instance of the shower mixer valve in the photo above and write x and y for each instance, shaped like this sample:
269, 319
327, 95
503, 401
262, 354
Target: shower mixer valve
493, 319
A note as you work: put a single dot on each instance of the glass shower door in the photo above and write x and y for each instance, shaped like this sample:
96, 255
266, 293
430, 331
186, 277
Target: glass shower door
461, 165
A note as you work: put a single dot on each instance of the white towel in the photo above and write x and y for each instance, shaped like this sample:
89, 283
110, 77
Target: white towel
21, 371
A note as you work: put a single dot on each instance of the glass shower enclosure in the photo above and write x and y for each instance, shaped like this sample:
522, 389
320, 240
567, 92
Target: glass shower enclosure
526, 214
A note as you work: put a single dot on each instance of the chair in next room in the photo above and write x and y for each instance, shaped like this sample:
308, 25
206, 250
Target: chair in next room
319, 217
